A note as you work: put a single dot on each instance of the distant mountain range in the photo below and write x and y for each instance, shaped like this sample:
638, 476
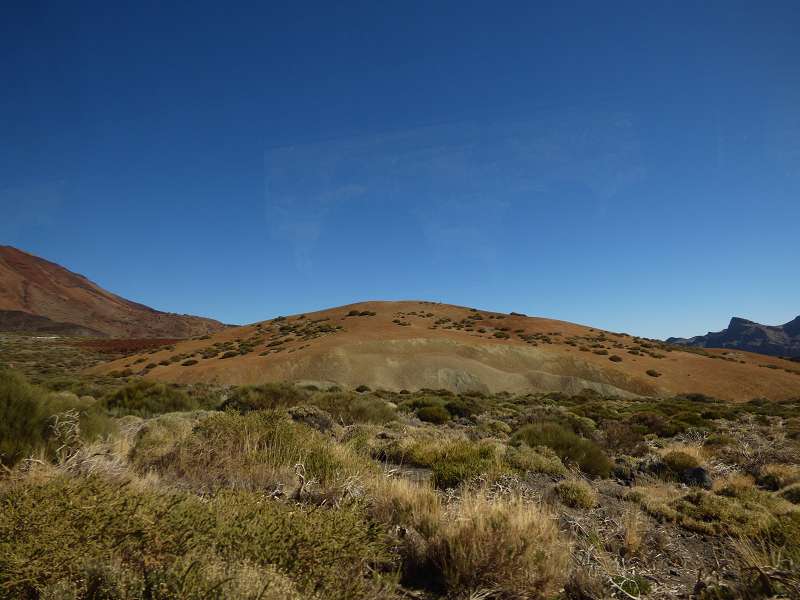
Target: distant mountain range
37, 295
741, 334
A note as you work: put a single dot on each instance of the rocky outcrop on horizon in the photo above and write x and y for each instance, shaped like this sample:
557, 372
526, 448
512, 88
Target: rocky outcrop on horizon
743, 334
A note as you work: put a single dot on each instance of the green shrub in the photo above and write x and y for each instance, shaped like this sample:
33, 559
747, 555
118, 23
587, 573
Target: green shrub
653, 373
349, 408
527, 460
461, 460
615, 358
259, 450
263, 397
100, 539
433, 414
569, 446
576, 493
678, 462
27, 416
462, 407
147, 398
24, 420
189, 363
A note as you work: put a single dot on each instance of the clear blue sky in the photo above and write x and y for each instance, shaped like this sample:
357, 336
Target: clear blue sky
633, 166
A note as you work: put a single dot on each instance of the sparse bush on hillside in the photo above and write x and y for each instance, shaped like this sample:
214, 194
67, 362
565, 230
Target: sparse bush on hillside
27, 415
433, 414
146, 398
261, 450
348, 408
678, 461
267, 396
653, 373
569, 446
525, 459
460, 461
24, 422
462, 407
576, 493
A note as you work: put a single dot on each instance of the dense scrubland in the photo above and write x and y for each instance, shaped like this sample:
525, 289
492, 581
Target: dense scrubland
125, 488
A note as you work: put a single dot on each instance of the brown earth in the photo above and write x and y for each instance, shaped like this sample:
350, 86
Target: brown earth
415, 345
37, 295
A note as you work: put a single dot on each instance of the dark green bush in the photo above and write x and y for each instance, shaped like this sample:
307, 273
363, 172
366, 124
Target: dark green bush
433, 414
147, 398
568, 445
460, 461
267, 396
462, 407
677, 462
23, 418
26, 418
349, 408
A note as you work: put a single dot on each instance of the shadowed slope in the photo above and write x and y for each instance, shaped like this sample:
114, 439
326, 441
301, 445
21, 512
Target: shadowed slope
38, 295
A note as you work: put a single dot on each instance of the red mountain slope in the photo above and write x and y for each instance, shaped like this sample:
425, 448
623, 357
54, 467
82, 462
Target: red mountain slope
39, 295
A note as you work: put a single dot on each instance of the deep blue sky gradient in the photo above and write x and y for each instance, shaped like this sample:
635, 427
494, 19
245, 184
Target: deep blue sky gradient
633, 166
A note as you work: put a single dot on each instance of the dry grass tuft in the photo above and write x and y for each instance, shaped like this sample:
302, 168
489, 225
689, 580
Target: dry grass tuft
576, 493
504, 547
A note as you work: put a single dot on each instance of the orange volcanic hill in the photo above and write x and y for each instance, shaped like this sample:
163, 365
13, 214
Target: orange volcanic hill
38, 295
413, 345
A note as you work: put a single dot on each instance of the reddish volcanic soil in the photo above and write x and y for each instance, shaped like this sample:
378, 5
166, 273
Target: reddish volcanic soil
41, 296
416, 345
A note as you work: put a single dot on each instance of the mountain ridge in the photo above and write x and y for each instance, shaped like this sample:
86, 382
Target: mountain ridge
40, 295
744, 334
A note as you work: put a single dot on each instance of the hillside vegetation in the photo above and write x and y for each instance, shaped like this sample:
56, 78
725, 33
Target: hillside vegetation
415, 345
151, 490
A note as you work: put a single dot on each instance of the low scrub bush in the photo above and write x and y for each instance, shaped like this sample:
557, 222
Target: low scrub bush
433, 414
568, 445
462, 407
349, 408
576, 493
146, 398
461, 460
91, 538
261, 450
504, 545
27, 414
678, 461
267, 396
525, 459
